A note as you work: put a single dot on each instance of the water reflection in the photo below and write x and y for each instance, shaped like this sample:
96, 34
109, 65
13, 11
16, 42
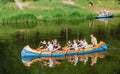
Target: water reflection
52, 62
14, 36
92, 23
104, 20
115, 32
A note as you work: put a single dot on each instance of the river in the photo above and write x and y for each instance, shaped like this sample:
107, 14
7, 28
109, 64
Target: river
13, 37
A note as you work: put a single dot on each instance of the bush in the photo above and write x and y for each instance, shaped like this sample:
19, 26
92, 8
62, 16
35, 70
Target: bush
30, 0
6, 1
22, 17
75, 14
58, 16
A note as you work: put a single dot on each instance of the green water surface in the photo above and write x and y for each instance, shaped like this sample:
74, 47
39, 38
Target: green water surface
13, 37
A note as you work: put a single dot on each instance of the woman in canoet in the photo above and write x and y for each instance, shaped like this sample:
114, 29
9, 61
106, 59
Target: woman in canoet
85, 43
56, 45
43, 44
69, 45
80, 43
75, 46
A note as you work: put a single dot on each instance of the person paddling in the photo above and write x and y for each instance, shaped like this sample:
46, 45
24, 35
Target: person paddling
75, 46
43, 44
69, 45
56, 45
50, 46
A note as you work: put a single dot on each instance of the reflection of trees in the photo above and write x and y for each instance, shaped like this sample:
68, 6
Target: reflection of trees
115, 32
91, 23
3, 47
23, 37
66, 33
20, 36
80, 34
101, 34
10, 58
37, 37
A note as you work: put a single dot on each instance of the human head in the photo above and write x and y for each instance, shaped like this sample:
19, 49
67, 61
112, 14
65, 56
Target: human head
84, 40
44, 41
74, 41
69, 41
49, 42
91, 35
55, 40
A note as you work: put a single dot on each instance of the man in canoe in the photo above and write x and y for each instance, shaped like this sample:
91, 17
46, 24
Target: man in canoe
93, 40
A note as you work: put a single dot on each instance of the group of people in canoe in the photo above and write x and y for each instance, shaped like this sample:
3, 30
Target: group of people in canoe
50, 45
104, 13
71, 45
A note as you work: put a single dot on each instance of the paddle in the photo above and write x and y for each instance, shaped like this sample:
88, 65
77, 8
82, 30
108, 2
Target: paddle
39, 44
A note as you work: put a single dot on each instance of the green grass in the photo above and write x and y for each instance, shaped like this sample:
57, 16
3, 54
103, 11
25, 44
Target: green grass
56, 10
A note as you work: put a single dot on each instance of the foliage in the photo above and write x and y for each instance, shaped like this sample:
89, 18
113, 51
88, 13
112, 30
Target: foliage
6, 1
118, 1
30, 0
57, 10
21, 17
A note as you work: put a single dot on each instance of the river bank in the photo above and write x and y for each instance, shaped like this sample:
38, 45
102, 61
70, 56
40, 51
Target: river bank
55, 10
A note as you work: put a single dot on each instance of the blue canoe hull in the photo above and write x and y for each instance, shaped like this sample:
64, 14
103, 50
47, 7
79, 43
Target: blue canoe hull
107, 16
27, 53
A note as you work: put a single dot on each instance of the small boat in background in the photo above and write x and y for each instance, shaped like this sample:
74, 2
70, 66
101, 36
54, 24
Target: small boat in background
105, 16
29, 52
104, 19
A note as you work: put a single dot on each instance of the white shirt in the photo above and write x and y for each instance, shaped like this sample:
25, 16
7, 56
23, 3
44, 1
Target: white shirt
85, 44
50, 47
75, 46
94, 41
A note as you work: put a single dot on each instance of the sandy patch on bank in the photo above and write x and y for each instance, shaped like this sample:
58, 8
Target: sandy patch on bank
68, 2
21, 5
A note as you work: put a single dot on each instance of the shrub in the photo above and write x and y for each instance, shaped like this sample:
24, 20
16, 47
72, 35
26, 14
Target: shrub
6, 1
75, 14
58, 16
22, 17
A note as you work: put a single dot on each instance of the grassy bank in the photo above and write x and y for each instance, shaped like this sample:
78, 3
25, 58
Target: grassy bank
55, 10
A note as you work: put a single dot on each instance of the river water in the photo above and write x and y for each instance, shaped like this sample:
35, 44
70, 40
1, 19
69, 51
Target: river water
13, 37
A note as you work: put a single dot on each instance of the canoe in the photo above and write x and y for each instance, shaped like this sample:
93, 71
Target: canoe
29, 52
104, 19
106, 16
